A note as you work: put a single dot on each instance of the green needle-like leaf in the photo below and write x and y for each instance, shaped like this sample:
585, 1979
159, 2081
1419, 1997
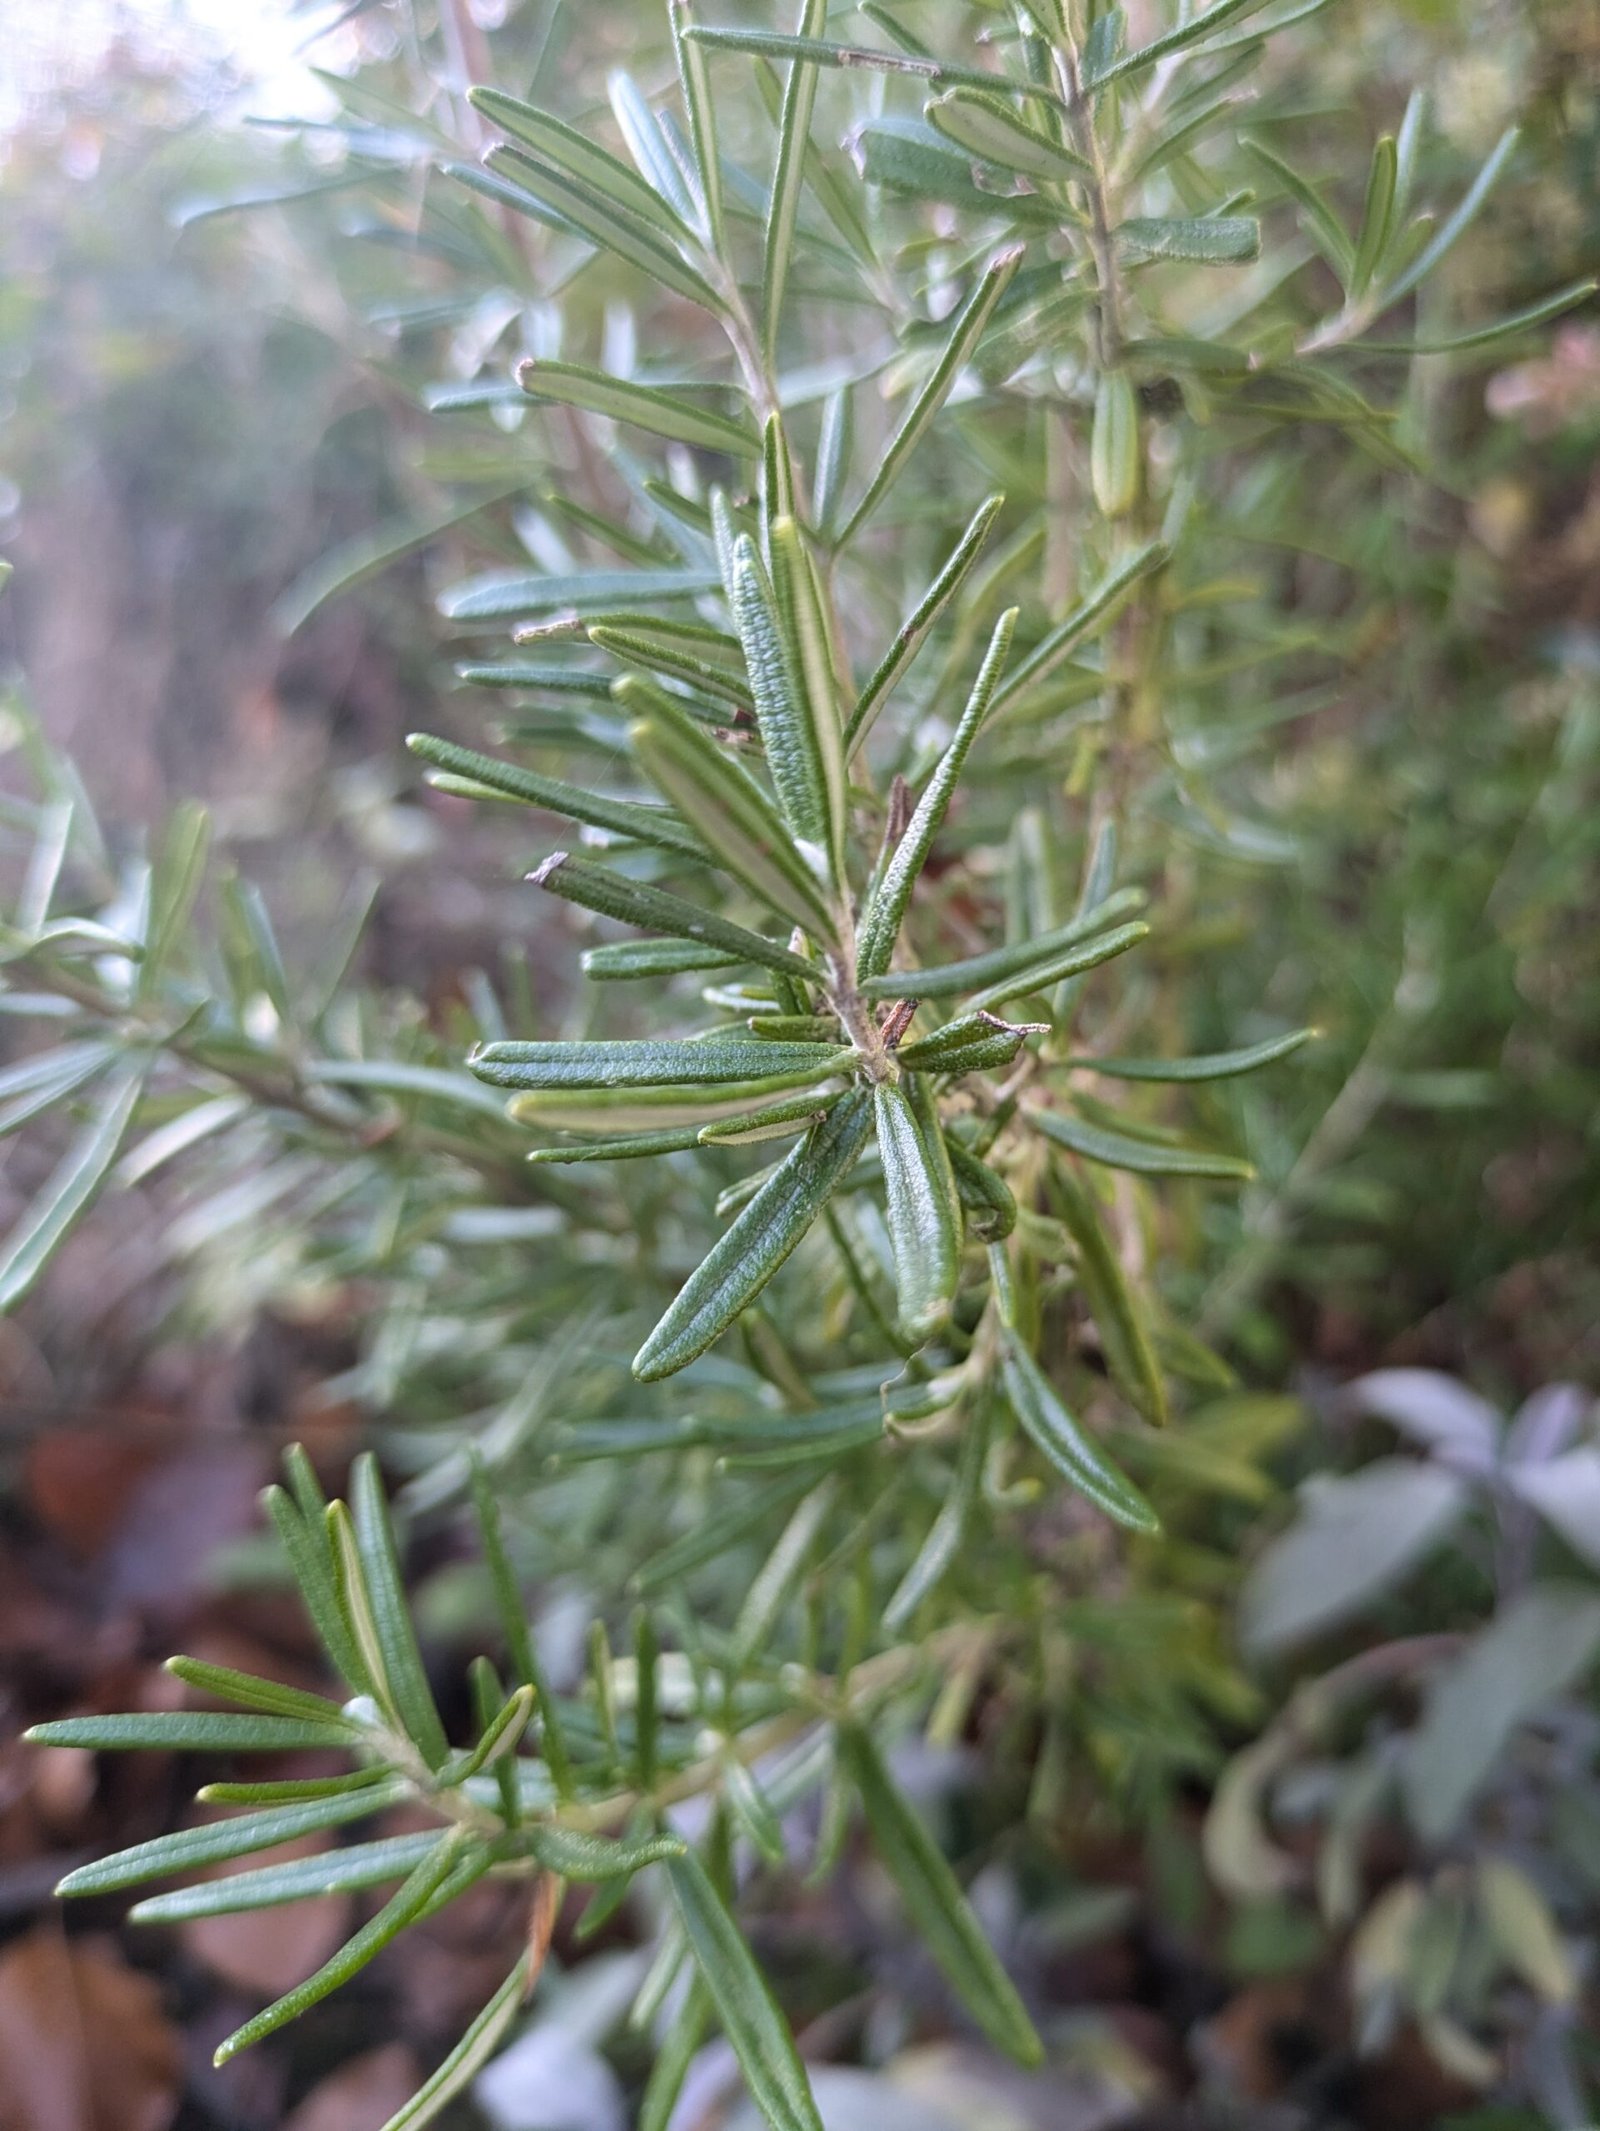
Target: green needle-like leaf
709, 1062
1454, 226
998, 963
957, 351
925, 1239
1212, 1065
461, 2067
913, 631
191, 1848
986, 125
794, 128
1201, 240
1068, 962
1080, 1462
501, 595
1114, 457
57, 1204
580, 1856
245, 1691
630, 961
1092, 613
880, 926
553, 141
986, 1198
727, 808
553, 196
748, 1253
521, 1649
194, 1731
347, 1871
782, 656
702, 121
400, 1910
664, 414
1194, 31
482, 776
1114, 1304
937, 1905
940, 1548
397, 1639
1116, 1150
1377, 216
751, 2021
614, 896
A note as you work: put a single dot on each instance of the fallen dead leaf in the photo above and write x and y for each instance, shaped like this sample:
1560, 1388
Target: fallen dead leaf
362, 2095
83, 2040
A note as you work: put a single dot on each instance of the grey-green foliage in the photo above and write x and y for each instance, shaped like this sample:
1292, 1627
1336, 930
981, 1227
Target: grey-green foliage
959, 384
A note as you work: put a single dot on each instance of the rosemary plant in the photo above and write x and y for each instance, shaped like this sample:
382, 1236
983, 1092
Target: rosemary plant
881, 580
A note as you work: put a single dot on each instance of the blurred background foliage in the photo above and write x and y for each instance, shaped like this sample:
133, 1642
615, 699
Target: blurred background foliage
230, 512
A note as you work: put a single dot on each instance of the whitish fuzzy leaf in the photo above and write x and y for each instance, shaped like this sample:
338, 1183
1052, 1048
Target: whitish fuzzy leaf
1538, 1647
1434, 1410
1566, 1492
1081, 1463
748, 1253
1353, 1540
664, 414
1524, 1928
881, 922
963, 338
1119, 1150
937, 1905
751, 2021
